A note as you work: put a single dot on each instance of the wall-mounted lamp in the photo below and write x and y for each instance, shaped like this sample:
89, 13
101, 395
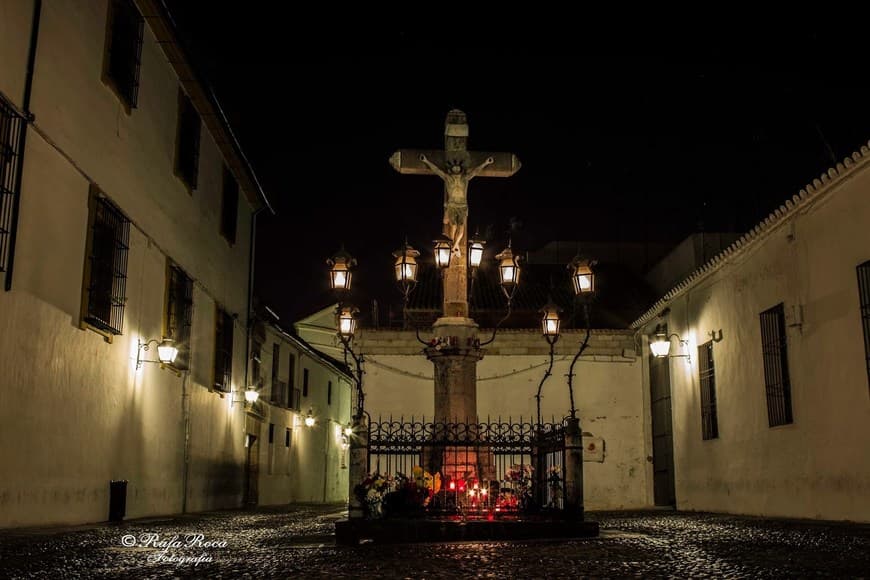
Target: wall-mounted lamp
252, 395
348, 431
661, 345
310, 421
166, 352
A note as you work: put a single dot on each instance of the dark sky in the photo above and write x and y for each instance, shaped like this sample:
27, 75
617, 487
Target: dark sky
642, 140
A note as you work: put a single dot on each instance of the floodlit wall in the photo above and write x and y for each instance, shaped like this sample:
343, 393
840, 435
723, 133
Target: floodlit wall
819, 465
75, 413
609, 396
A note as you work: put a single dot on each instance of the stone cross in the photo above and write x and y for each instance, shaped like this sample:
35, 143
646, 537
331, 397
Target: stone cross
456, 166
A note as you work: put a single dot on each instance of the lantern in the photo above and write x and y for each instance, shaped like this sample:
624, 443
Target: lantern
347, 321
550, 322
309, 419
583, 277
251, 394
166, 351
475, 252
508, 269
443, 251
406, 265
339, 270
661, 344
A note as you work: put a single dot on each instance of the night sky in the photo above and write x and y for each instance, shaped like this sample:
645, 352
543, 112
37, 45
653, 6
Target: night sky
648, 140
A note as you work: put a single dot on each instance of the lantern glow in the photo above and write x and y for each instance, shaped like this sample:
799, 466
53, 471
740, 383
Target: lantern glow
475, 252
340, 276
550, 322
443, 252
583, 277
347, 321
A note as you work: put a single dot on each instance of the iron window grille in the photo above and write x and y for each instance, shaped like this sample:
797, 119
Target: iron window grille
223, 351
124, 50
179, 314
329, 393
864, 297
775, 355
271, 433
187, 153
287, 437
304, 382
12, 127
229, 206
106, 275
707, 375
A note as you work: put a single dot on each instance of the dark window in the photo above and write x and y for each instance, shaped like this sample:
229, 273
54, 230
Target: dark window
775, 356
124, 50
11, 131
187, 153
256, 353
287, 438
278, 387
709, 423
223, 351
106, 267
179, 314
864, 296
293, 399
271, 433
329, 393
304, 382
229, 207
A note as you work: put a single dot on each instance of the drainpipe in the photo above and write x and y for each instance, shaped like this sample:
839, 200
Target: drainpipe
19, 165
185, 411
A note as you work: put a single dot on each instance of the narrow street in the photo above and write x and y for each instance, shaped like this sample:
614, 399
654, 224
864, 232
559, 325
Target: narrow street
298, 542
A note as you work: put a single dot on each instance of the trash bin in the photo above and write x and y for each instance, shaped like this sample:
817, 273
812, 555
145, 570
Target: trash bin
117, 500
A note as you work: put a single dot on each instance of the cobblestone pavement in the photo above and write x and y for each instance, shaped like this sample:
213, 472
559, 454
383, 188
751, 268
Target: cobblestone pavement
298, 542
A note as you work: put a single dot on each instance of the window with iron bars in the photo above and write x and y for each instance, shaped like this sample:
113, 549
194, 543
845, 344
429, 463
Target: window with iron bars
12, 126
179, 314
707, 375
864, 298
106, 266
278, 387
229, 206
292, 392
187, 147
223, 351
775, 356
124, 50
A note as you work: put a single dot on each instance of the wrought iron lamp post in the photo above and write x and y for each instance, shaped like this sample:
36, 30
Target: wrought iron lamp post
509, 279
583, 279
550, 324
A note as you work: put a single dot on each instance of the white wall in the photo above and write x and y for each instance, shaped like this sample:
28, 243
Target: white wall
818, 466
312, 469
74, 412
609, 397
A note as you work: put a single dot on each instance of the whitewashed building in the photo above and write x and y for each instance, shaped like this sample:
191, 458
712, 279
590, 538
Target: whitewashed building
300, 443
767, 376
127, 217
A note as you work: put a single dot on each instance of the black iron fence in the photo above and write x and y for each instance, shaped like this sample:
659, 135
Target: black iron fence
488, 469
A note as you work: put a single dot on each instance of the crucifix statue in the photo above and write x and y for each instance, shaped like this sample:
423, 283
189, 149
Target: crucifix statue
456, 166
456, 349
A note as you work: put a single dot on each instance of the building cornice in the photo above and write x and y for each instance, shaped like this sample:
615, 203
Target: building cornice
820, 188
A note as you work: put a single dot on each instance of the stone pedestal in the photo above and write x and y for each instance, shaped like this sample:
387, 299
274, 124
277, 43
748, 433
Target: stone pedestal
358, 468
573, 470
455, 355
